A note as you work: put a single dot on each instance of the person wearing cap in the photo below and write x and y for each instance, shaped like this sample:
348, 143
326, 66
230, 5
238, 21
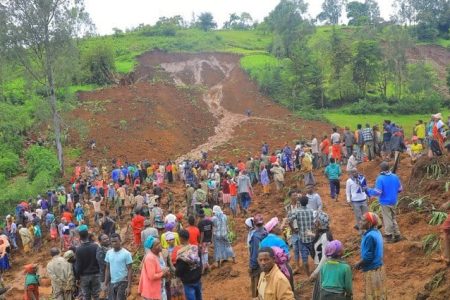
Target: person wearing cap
61, 276
335, 274
278, 175
152, 274
31, 291
304, 218
254, 269
416, 149
272, 284
148, 231
356, 195
387, 187
371, 262
222, 246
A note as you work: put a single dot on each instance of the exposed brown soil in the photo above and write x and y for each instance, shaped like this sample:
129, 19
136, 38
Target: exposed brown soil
180, 101
438, 57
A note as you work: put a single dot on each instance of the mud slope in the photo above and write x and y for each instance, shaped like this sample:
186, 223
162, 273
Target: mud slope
179, 105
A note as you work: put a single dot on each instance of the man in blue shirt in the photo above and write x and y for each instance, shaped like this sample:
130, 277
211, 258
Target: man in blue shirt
387, 187
118, 273
371, 262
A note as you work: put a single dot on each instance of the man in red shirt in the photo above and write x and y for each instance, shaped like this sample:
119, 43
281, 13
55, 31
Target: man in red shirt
194, 232
67, 216
137, 224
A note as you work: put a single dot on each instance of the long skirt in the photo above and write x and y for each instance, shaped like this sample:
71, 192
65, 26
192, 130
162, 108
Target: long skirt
375, 284
222, 248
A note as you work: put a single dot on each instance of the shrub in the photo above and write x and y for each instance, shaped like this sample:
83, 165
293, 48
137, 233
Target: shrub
40, 159
9, 162
98, 64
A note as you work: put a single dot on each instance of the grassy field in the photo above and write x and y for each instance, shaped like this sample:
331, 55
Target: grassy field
406, 121
127, 47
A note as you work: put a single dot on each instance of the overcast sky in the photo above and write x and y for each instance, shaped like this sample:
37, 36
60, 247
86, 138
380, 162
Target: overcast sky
123, 14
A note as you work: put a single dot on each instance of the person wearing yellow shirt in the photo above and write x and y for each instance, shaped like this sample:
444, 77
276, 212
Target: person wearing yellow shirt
420, 131
416, 149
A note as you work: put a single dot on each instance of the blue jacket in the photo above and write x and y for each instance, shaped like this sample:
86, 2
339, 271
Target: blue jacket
387, 187
257, 237
333, 171
372, 250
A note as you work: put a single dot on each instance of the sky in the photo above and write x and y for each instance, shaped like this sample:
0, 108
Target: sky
123, 14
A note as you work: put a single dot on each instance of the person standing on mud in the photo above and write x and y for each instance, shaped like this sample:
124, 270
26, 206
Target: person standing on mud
371, 262
304, 218
245, 190
86, 266
254, 269
61, 276
356, 195
387, 187
118, 274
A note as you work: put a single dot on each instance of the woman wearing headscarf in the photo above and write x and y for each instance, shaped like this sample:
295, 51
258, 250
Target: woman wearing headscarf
322, 237
169, 232
335, 274
151, 282
4, 259
371, 262
174, 287
189, 268
222, 246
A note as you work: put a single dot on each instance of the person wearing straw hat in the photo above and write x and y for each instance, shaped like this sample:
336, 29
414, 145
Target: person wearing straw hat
371, 262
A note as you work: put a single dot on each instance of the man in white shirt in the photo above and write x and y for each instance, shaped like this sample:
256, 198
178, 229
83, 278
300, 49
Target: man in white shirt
352, 162
315, 152
314, 200
356, 195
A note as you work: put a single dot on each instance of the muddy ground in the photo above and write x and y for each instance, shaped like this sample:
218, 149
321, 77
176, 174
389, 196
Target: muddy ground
175, 105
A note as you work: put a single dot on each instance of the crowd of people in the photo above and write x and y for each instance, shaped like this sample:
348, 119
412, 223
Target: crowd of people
82, 222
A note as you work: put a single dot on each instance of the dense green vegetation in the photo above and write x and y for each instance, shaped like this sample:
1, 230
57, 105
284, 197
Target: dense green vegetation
333, 71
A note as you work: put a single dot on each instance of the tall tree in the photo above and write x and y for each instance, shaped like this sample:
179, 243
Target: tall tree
404, 11
206, 21
341, 56
397, 40
367, 13
366, 64
331, 11
40, 34
235, 21
286, 22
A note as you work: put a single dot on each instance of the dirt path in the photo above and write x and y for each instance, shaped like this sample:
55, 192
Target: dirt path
213, 97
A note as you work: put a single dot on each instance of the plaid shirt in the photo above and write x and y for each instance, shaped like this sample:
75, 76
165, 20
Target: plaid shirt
305, 221
367, 134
